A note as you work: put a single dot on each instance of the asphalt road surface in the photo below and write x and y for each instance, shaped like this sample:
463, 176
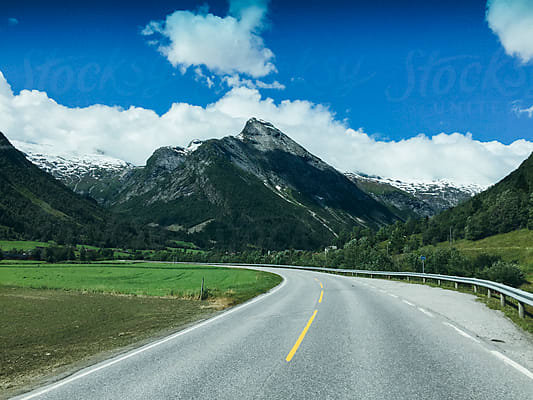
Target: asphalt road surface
314, 336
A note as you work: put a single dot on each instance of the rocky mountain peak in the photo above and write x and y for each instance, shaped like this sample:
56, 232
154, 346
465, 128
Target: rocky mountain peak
167, 158
257, 127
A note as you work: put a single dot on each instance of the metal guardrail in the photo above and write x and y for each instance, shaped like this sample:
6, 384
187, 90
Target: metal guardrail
522, 297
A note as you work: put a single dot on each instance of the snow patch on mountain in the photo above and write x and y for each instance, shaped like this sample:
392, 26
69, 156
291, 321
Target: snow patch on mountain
65, 166
432, 188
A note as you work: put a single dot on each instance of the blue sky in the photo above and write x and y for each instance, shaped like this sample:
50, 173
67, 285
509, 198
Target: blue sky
390, 69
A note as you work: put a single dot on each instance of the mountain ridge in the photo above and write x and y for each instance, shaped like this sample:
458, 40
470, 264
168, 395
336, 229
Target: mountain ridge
96, 175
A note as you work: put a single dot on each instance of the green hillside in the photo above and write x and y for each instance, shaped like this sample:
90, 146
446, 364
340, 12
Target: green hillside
35, 206
505, 207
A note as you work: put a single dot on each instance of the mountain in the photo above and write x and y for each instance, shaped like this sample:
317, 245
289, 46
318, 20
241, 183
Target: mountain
90, 175
504, 207
258, 188
415, 199
97, 175
34, 205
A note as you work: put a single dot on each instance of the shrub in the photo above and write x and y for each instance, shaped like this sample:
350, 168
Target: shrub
507, 273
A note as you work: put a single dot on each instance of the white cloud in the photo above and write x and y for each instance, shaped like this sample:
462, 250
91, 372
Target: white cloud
512, 21
227, 45
133, 134
528, 111
234, 81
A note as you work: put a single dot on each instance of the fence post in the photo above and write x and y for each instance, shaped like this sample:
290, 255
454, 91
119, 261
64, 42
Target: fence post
202, 290
521, 309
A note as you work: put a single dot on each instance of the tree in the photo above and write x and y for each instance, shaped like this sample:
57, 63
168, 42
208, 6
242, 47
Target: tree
1, 255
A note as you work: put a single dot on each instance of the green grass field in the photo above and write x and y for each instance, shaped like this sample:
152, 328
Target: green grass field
181, 281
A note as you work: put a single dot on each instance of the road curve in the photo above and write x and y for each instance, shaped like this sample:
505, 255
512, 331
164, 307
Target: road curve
314, 336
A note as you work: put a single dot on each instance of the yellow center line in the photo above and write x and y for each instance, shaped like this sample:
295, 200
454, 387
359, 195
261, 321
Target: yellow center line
302, 335
321, 287
321, 295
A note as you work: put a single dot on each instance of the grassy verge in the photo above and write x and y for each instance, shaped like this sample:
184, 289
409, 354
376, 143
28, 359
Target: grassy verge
102, 309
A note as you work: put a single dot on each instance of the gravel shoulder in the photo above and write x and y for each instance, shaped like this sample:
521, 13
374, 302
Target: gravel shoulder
466, 312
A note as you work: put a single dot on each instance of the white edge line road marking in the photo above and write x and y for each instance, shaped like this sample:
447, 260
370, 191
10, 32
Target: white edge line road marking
155, 344
425, 312
513, 364
408, 303
462, 333
392, 295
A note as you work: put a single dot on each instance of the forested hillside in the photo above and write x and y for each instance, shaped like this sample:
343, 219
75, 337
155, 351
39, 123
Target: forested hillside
505, 207
34, 205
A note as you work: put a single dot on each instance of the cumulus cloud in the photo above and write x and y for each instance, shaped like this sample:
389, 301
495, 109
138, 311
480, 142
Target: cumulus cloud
224, 45
133, 134
512, 21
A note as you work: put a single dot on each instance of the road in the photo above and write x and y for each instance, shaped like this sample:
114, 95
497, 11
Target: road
314, 336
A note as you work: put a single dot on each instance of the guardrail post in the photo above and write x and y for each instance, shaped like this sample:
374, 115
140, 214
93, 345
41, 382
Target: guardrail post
488, 293
456, 285
475, 288
438, 281
423, 280
521, 309
407, 279
502, 300
371, 276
